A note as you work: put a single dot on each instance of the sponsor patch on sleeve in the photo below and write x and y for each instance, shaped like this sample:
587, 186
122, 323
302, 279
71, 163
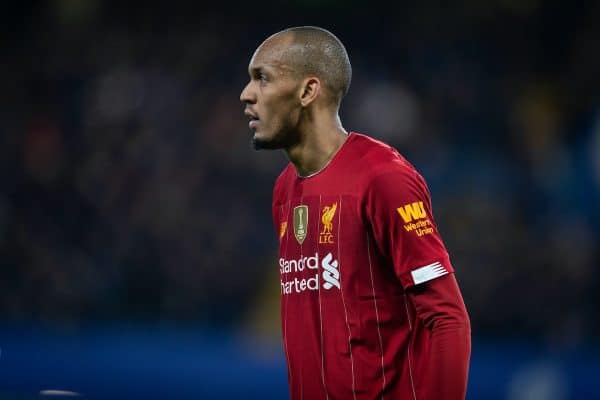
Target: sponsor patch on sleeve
415, 219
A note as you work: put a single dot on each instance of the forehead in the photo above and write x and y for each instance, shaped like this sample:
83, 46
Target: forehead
274, 54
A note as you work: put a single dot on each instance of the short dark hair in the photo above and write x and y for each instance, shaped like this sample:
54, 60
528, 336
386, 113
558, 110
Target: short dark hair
317, 51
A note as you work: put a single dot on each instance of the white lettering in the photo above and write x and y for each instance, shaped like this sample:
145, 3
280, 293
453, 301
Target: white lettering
330, 274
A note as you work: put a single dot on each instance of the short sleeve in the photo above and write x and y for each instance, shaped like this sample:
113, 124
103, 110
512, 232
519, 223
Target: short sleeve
398, 208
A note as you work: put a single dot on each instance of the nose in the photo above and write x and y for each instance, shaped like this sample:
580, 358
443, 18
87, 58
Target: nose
247, 96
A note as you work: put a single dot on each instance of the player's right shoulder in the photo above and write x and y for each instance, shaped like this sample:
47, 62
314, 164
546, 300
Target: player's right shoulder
282, 182
289, 172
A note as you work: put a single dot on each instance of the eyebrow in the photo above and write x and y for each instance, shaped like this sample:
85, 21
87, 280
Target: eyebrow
255, 70
271, 69
262, 69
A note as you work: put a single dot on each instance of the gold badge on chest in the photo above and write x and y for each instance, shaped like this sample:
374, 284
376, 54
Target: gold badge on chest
300, 222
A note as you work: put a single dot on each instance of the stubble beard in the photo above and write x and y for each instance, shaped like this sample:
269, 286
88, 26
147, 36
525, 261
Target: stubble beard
264, 144
283, 139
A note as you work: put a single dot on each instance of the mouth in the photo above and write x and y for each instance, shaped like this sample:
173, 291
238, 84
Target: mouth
254, 120
253, 123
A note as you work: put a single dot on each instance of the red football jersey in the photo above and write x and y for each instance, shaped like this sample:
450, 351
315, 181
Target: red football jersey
354, 238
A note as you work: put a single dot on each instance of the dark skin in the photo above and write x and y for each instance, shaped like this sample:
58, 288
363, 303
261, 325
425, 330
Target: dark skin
294, 111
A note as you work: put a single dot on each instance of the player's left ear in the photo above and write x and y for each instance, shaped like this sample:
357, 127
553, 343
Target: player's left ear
310, 90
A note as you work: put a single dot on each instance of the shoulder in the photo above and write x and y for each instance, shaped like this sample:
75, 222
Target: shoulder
282, 182
381, 164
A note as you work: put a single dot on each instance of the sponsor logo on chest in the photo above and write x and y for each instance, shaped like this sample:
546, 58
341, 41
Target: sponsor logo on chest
324, 272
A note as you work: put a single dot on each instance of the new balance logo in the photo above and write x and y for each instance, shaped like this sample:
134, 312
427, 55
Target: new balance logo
331, 273
412, 211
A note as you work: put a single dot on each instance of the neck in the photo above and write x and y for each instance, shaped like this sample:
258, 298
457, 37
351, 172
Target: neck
319, 142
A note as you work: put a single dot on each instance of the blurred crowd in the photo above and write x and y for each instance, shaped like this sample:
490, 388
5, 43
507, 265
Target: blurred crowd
129, 190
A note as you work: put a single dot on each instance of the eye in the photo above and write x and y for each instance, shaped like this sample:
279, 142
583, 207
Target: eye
262, 78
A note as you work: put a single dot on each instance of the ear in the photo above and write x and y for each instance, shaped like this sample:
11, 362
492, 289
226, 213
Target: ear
310, 90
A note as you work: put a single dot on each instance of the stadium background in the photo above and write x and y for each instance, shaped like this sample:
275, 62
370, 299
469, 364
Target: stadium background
136, 246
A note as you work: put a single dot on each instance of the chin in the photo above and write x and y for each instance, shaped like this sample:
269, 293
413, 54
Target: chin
263, 144
275, 139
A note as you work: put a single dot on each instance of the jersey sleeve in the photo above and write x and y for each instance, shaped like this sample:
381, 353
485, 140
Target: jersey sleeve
440, 306
398, 207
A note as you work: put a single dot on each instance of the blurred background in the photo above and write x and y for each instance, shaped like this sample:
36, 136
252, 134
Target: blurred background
138, 258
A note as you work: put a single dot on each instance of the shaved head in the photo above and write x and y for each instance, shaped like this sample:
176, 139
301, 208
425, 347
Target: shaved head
312, 51
298, 78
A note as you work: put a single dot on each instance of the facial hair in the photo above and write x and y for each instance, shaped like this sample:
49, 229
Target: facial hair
265, 144
284, 139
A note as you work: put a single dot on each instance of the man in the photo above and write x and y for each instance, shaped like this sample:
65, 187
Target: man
370, 306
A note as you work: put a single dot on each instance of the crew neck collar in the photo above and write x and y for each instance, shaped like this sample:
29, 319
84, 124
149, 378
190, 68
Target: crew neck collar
328, 163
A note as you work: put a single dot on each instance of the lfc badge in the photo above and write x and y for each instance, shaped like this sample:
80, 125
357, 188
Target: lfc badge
326, 236
300, 222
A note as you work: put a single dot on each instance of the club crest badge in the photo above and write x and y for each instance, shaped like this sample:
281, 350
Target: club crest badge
300, 222
326, 235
